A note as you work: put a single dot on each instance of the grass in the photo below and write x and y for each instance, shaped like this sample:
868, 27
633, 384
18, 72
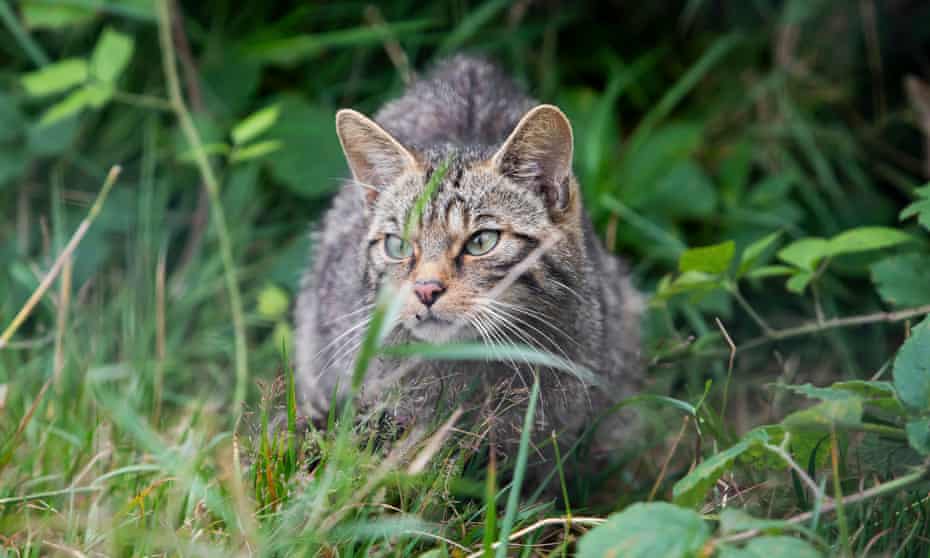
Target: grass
140, 368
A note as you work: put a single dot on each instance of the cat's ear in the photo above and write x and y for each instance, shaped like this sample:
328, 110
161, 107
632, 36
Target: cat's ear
538, 154
375, 158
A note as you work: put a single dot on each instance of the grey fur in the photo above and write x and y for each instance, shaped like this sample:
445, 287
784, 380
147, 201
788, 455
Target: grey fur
576, 301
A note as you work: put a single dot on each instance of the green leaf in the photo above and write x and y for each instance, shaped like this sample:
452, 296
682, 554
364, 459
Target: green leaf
920, 208
799, 281
255, 151
69, 106
98, 93
708, 259
54, 14
772, 547
304, 128
55, 78
273, 302
12, 122
753, 253
255, 124
903, 280
918, 435
864, 239
647, 531
912, 369
804, 253
691, 490
111, 55
689, 282
769, 271
834, 413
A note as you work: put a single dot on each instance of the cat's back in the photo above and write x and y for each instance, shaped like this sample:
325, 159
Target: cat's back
463, 101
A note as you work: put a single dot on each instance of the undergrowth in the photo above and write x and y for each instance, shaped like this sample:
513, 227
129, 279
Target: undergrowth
760, 164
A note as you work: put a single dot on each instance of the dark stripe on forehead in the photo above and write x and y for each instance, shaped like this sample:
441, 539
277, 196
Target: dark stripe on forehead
557, 272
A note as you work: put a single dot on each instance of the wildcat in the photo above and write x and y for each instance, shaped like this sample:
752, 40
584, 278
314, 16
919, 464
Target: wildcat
500, 251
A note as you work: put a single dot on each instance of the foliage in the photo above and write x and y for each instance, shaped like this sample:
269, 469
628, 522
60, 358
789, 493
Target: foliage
769, 197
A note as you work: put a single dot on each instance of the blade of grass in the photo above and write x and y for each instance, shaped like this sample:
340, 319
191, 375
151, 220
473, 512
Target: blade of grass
471, 24
216, 207
513, 499
29, 46
62, 258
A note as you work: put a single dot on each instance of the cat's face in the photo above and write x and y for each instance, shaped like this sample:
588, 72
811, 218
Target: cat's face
451, 249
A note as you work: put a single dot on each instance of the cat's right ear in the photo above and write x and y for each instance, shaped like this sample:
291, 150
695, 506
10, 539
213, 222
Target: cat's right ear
375, 158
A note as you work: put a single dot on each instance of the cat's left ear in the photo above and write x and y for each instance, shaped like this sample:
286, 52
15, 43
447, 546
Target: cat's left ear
538, 154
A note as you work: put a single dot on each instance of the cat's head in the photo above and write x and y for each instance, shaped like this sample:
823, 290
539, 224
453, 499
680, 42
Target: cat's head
448, 244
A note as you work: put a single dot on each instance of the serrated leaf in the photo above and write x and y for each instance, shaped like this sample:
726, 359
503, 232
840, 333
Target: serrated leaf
255, 124
903, 280
825, 416
55, 78
753, 253
804, 253
708, 259
111, 55
864, 239
692, 489
912, 369
647, 531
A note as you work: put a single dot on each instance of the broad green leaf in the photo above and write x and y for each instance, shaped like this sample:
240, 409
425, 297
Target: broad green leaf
799, 281
683, 191
255, 124
689, 282
772, 547
254, 151
51, 139
55, 78
918, 435
273, 302
912, 369
647, 531
814, 392
822, 417
753, 253
708, 259
903, 280
692, 489
804, 253
72, 104
54, 14
111, 55
864, 239
302, 129
12, 164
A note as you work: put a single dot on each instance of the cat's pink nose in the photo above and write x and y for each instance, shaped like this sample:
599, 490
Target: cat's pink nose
428, 291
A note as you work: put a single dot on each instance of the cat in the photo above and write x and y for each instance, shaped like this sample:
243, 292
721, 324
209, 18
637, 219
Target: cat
501, 251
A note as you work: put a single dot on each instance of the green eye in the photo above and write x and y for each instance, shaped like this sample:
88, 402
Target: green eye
397, 248
482, 242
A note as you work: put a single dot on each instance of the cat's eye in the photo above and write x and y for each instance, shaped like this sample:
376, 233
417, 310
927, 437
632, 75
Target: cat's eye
482, 242
397, 248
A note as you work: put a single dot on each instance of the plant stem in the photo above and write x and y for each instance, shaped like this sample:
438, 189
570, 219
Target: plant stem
62, 258
216, 206
760, 321
32, 48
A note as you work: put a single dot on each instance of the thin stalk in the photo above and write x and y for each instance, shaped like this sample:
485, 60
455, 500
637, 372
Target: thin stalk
62, 258
216, 206
32, 48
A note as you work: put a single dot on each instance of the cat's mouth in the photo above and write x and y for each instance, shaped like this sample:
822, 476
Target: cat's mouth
429, 327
